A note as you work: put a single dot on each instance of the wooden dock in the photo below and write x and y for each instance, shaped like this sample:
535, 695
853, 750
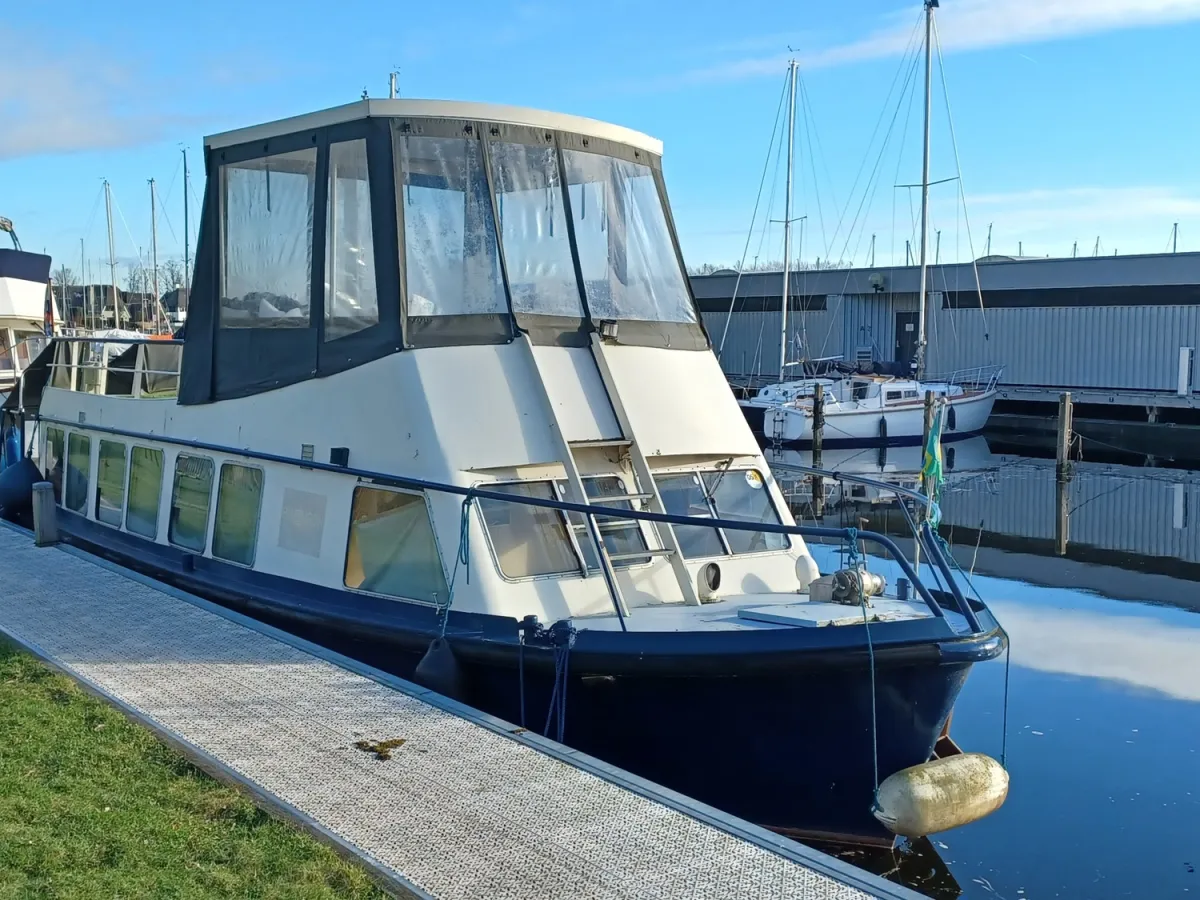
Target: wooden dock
467, 806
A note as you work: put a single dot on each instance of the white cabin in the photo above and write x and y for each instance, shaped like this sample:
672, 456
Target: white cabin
476, 295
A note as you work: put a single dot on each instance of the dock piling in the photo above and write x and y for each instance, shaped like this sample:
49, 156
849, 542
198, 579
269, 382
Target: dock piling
45, 522
1066, 425
818, 437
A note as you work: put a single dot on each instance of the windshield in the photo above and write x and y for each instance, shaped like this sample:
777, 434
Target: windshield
739, 495
630, 268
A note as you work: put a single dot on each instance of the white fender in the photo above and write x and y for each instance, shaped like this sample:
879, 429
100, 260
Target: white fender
941, 794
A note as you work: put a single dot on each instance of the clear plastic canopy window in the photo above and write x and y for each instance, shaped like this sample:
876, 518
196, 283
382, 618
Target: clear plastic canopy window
626, 253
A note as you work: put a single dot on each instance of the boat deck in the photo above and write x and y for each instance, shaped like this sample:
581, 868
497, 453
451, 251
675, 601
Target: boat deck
467, 807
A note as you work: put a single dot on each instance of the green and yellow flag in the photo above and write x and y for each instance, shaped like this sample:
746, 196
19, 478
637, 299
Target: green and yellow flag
932, 474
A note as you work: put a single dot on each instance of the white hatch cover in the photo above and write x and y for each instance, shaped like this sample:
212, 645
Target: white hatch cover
819, 614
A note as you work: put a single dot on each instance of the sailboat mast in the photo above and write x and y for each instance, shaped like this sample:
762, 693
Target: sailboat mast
154, 254
112, 253
187, 263
922, 326
787, 222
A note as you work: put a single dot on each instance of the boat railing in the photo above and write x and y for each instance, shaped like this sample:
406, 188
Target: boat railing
974, 378
96, 365
925, 537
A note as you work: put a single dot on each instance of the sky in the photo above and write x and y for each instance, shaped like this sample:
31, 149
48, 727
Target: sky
1072, 122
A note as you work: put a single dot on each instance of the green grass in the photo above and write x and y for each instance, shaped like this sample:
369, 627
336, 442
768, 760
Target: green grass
93, 805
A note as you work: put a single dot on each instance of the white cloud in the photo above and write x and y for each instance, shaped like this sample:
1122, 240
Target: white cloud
974, 25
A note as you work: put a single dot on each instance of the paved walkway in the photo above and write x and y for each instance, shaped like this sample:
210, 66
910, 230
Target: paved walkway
461, 810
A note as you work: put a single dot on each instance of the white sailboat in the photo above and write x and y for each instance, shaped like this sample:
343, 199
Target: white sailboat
868, 408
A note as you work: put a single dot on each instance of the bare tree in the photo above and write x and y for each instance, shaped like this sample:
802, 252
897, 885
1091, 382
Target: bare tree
173, 272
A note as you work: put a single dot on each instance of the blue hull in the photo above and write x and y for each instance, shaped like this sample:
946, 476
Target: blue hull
772, 726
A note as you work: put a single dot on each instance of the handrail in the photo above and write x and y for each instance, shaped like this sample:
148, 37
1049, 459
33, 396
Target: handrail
422, 484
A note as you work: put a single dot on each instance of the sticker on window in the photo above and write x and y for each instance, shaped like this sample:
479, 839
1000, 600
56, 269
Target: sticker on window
753, 479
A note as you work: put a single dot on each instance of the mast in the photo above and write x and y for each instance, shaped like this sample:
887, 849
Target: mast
112, 253
922, 336
154, 254
187, 264
787, 222
83, 283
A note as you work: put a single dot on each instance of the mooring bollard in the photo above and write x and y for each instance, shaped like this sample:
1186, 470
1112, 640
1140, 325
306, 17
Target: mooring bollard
45, 515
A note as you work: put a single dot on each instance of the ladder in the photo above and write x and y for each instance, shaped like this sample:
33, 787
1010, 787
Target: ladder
645, 492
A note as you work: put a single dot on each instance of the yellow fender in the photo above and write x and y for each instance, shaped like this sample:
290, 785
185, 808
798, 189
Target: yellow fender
941, 794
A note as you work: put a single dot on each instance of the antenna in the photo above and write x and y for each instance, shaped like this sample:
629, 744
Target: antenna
1096, 252
1175, 238
394, 84
988, 252
1074, 249
937, 249
872, 251
1020, 248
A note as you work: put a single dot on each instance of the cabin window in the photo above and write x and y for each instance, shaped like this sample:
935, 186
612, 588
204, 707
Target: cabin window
110, 483
235, 526
52, 462
738, 494
391, 548
619, 535
451, 256
266, 227
533, 230
351, 301
145, 491
190, 498
893, 396
630, 268
908, 395
79, 472
528, 540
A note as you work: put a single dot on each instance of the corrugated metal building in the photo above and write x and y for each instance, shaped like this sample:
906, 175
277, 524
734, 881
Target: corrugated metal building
1113, 329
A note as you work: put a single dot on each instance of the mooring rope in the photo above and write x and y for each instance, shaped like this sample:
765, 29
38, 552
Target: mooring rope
852, 558
463, 558
1007, 649
562, 636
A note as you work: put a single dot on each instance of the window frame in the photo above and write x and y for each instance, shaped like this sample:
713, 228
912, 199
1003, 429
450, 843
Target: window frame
424, 495
120, 524
129, 484
214, 513
741, 470
208, 520
87, 488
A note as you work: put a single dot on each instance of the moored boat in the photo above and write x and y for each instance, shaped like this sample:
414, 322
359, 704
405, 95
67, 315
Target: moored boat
445, 402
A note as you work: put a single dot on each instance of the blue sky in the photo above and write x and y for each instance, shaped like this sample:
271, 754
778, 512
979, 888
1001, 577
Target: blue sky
1073, 117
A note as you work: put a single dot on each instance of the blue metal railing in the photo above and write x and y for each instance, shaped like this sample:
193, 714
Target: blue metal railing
477, 493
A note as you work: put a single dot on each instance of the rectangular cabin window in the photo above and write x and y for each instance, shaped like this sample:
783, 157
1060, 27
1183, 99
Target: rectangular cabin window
79, 472
52, 461
145, 491
892, 396
266, 251
235, 526
190, 499
528, 540
619, 535
110, 483
451, 258
630, 267
351, 301
533, 230
391, 548
738, 494
909, 395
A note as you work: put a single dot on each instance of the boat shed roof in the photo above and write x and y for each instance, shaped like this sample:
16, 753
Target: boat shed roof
438, 109
1111, 274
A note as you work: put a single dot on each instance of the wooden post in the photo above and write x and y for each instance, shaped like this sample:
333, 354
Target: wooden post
1063, 518
45, 522
818, 423
1066, 425
818, 436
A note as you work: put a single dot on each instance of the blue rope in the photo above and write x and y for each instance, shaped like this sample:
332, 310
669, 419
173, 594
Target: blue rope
562, 635
852, 562
463, 558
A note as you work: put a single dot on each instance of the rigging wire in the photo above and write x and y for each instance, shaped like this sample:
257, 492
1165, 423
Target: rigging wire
753, 218
958, 166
